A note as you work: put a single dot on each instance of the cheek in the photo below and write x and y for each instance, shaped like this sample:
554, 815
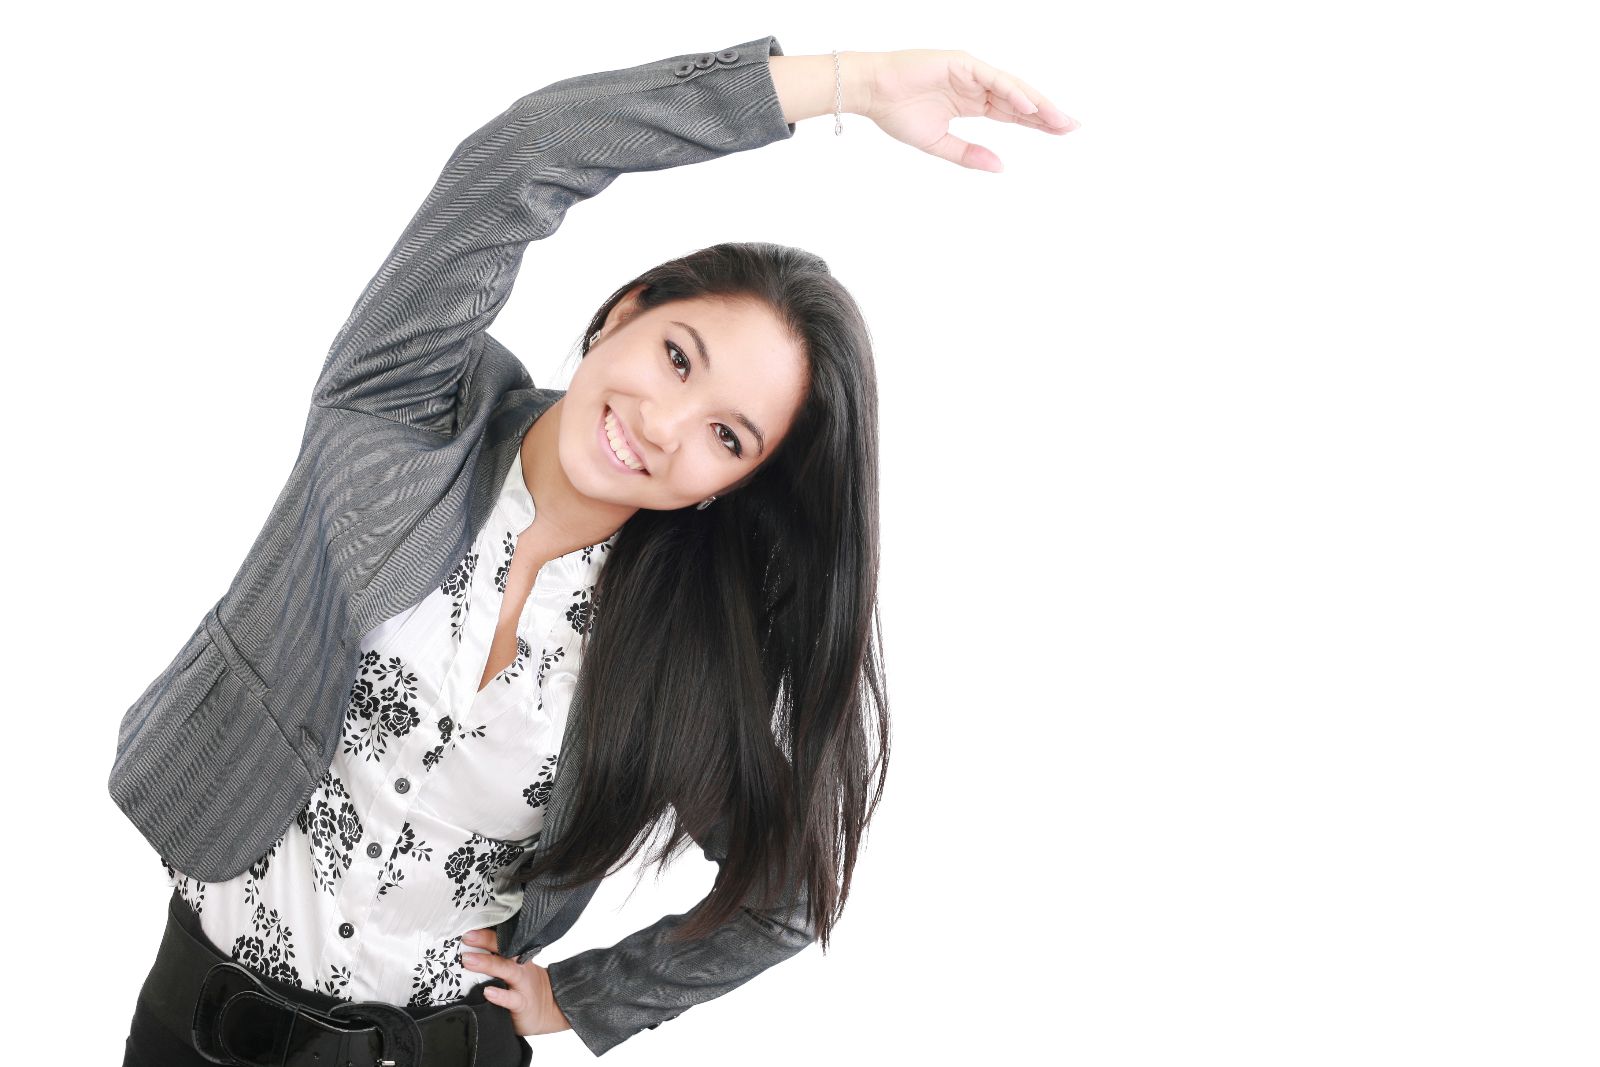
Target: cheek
698, 478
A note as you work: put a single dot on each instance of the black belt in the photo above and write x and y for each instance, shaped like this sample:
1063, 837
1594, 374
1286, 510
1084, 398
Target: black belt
232, 1016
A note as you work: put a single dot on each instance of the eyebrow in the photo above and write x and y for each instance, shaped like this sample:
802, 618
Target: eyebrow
705, 361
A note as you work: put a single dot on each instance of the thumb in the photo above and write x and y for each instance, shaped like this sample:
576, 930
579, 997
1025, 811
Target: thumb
965, 154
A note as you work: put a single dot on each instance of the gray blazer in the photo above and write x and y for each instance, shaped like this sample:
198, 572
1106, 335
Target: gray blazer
412, 426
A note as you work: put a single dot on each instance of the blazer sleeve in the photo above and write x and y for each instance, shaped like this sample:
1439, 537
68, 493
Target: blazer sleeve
414, 333
610, 994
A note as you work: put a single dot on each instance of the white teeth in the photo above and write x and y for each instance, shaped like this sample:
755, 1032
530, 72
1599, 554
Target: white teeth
617, 446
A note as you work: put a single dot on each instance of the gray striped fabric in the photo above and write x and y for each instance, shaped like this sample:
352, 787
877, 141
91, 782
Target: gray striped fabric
414, 421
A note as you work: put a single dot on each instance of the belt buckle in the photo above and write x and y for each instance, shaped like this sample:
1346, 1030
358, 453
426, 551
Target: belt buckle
402, 1037
239, 1021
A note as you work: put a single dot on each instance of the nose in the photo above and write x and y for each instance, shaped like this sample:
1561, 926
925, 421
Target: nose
658, 426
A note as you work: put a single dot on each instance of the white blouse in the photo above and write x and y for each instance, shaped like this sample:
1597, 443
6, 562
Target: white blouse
435, 790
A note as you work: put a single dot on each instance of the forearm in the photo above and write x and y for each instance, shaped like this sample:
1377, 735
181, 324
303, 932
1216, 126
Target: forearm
405, 347
609, 994
806, 84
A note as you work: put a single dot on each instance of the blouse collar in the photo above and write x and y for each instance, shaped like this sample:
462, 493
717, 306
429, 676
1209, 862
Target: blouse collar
515, 509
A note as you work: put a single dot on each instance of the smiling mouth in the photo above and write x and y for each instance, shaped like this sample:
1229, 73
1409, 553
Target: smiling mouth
616, 443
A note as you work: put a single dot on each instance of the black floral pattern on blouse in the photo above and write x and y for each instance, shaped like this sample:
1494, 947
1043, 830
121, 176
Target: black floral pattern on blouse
382, 706
450, 735
269, 947
337, 983
330, 821
408, 845
258, 871
508, 547
190, 889
538, 793
546, 661
580, 615
436, 979
457, 586
474, 865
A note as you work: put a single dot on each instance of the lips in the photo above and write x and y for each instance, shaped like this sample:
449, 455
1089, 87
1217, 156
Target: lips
627, 440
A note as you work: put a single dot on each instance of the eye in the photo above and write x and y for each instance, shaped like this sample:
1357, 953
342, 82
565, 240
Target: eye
731, 442
674, 353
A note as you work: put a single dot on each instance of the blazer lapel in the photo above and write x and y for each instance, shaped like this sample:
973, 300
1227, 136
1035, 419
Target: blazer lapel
429, 563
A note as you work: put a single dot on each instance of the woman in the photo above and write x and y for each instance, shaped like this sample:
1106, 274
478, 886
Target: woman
350, 769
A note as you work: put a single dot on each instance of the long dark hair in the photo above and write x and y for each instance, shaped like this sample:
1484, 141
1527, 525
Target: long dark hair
734, 668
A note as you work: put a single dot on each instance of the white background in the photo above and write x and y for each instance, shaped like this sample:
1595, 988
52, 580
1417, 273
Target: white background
1239, 495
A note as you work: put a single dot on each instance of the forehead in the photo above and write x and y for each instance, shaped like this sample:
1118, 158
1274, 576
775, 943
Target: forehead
744, 340
746, 328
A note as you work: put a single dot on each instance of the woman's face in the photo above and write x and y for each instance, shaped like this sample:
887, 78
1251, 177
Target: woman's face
699, 392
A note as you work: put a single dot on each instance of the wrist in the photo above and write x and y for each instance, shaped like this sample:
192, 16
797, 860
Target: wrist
555, 1019
808, 87
854, 81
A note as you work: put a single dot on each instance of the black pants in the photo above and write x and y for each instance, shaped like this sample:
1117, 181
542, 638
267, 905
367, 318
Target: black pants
151, 1043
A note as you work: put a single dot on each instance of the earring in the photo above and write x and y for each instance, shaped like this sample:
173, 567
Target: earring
704, 503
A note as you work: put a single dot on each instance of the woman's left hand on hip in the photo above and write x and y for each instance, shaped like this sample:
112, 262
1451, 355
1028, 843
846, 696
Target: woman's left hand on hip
530, 1000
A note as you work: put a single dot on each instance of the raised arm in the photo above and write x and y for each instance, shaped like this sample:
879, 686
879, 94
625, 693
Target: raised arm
411, 339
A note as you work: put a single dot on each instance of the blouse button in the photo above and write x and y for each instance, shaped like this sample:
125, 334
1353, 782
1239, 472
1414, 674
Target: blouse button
346, 930
374, 850
402, 785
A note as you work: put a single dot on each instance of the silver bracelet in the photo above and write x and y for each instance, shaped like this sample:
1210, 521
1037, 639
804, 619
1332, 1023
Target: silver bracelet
838, 95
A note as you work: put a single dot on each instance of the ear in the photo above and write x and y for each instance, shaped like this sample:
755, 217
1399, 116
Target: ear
623, 310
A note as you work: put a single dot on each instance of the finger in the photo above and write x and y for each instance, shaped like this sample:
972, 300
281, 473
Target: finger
995, 110
1017, 97
965, 154
510, 999
1033, 122
1004, 90
1004, 109
1051, 118
1063, 123
489, 963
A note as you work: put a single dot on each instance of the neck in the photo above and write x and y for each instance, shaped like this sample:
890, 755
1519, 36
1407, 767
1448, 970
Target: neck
565, 520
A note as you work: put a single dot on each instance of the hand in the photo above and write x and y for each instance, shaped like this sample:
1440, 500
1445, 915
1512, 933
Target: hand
532, 1005
913, 94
